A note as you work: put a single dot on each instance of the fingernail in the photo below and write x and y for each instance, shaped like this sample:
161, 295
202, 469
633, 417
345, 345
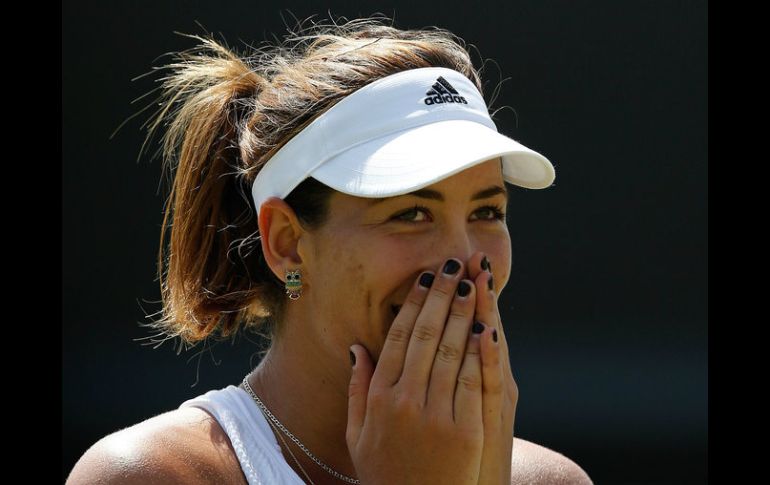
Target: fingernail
352, 358
491, 283
426, 280
478, 327
451, 266
463, 288
494, 334
485, 263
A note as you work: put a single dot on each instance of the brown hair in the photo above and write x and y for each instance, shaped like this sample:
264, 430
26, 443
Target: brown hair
227, 114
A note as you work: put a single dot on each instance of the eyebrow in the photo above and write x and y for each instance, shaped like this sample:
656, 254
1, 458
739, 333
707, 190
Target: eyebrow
436, 195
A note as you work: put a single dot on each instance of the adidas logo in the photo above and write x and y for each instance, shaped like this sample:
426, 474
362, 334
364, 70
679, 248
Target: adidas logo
443, 92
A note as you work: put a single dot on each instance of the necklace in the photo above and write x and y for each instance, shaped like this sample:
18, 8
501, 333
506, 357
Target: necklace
291, 453
274, 422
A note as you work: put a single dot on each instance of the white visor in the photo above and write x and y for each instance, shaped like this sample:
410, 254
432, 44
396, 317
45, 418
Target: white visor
396, 135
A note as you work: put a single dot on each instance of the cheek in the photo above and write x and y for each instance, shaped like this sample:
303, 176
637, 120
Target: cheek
345, 296
360, 273
500, 257
395, 258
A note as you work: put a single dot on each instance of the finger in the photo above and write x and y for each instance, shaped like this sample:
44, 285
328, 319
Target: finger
497, 412
511, 395
511, 390
467, 399
496, 437
492, 378
451, 351
502, 342
357, 393
428, 329
486, 301
391, 362
489, 313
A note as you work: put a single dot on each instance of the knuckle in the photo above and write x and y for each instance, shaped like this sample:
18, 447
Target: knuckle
414, 300
406, 405
425, 333
470, 382
448, 353
473, 350
443, 292
458, 312
495, 387
398, 334
514, 390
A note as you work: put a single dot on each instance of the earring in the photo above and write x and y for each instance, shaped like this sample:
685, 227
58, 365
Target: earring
293, 284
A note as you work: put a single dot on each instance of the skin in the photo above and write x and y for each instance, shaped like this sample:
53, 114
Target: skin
353, 269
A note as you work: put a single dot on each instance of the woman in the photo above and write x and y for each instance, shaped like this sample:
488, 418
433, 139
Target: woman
347, 197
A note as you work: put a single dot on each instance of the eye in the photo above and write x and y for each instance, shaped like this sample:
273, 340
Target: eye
496, 212
405, 216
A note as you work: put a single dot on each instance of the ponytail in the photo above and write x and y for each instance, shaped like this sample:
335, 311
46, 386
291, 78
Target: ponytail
204, 287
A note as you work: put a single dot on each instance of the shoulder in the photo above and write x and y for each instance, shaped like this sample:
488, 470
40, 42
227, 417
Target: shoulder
535, 464
181, 446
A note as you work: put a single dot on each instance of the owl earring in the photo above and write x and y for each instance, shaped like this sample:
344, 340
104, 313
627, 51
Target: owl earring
294, 284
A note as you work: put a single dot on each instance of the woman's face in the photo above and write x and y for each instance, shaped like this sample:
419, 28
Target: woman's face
365, 260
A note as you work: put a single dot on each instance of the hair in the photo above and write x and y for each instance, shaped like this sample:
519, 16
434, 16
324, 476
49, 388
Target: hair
227, 113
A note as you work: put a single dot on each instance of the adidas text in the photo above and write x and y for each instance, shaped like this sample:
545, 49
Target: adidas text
443, 92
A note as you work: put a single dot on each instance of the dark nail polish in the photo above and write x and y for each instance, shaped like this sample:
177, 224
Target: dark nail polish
463, 288
491, 283
352, 358
478, 327
494, 334
489, 266
485, 263
426, 280
451, 266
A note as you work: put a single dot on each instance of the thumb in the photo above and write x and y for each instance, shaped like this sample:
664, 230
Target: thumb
357, 393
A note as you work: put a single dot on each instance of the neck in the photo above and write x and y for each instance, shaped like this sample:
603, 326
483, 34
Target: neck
307, 392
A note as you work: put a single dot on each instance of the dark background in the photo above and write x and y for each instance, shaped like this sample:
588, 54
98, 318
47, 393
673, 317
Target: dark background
606, 310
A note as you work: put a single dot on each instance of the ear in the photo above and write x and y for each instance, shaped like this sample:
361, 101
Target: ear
280, 232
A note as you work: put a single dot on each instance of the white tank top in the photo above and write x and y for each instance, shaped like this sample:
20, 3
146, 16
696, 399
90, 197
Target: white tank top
252, 437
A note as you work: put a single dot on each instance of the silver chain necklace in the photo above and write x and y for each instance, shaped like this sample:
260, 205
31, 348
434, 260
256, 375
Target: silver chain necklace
294, 439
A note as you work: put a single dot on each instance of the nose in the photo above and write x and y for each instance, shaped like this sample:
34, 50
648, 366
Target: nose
458, 243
